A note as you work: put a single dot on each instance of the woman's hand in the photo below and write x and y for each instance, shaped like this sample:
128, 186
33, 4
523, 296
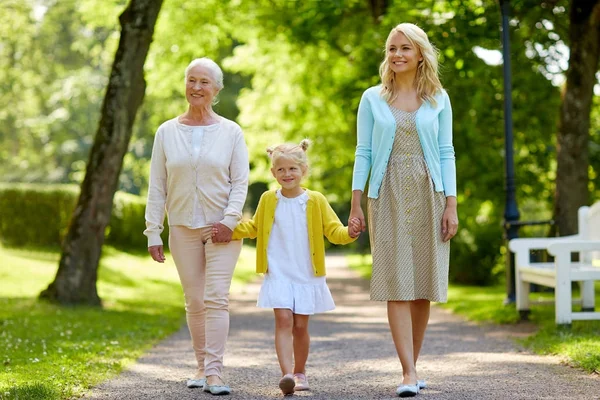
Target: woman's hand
221, 233
157, 253
449, 219
354, 227
356, 210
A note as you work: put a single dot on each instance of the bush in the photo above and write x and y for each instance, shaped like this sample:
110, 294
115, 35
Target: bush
475, 255
127, 222
35, 215
39, 215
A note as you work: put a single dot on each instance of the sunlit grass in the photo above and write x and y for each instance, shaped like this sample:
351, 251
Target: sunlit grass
69, 349
578, 345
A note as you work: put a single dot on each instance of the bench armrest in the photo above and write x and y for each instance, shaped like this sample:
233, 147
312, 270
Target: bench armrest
573, 246
528, 244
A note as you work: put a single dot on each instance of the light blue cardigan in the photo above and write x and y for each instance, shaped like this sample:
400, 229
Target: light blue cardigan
376, 131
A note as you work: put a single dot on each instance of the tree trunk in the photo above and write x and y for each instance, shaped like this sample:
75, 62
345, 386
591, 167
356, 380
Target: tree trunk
75, 281
573, 131
378, 9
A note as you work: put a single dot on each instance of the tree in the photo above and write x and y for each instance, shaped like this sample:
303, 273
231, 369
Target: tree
311, 61
75, 280
574, 127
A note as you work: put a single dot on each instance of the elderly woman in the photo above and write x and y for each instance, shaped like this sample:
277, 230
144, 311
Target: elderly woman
199, 174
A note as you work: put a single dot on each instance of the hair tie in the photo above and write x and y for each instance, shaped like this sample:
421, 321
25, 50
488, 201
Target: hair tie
304, 144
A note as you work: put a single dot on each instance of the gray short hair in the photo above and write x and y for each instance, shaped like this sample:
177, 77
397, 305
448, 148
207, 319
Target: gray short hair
212, 66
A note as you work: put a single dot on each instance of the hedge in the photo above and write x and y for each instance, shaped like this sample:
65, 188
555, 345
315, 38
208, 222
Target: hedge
39, 215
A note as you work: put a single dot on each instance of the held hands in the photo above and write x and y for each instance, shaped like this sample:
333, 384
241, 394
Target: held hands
221, 233
357, 213
354, 227
449, 219
157, 253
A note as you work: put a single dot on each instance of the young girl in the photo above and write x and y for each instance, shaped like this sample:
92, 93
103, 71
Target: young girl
290, 224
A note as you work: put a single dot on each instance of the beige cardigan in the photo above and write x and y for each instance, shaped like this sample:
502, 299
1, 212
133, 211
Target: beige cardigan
221, 171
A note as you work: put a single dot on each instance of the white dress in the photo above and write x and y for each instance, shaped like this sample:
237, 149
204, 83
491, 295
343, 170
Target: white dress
290, 281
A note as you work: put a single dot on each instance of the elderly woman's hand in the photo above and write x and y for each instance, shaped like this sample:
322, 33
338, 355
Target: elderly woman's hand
157, 253
221, 233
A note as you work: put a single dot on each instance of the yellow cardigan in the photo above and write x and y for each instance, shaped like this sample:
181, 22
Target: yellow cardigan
321, 220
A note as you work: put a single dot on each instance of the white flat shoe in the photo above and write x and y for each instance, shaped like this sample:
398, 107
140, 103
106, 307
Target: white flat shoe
407, 390
217, 390
196, 383
301, 382
422, 385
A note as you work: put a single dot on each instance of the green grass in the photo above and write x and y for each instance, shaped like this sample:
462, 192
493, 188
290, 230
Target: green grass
53, 352
578, 345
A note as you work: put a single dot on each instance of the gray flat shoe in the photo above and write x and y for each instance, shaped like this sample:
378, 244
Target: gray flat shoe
217, 390
196, 383
421, 384
407, 390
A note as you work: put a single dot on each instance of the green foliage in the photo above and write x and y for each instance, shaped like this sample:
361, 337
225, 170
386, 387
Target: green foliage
474, 252
310, 62
127, 223
594, 148
70, 349
577, 344
35, 215
296, 70
39, 215
54, 70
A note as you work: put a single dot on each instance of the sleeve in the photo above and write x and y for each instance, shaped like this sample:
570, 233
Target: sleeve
157, 193
363, 154
239, 170
249, 229
333, 229
447, 159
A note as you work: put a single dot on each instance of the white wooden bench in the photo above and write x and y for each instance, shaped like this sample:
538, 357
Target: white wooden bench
562, 272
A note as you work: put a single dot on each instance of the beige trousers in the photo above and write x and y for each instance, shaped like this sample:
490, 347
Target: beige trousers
205, 271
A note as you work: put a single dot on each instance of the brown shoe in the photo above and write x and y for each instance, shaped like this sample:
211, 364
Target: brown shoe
286, 384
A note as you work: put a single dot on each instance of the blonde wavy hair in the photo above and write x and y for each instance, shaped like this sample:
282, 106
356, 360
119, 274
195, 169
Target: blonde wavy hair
294, 152
427, 81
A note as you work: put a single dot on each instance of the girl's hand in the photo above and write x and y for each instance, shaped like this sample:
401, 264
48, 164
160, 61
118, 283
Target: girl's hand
221, 233
357, 214
157, 253
449, 219
354, 227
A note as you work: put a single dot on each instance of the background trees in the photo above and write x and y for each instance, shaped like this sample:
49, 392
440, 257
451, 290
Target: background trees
76, 277
294, 70
572, 183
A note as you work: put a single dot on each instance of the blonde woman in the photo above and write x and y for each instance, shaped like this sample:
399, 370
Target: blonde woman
405, 149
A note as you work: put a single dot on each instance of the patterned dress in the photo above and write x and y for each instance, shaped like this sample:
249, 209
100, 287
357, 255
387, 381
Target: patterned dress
410, 260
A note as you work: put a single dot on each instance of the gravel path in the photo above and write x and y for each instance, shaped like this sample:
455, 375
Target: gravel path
352, 357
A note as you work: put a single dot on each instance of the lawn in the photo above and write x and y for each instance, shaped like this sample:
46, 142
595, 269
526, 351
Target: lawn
69, 349
578, 346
